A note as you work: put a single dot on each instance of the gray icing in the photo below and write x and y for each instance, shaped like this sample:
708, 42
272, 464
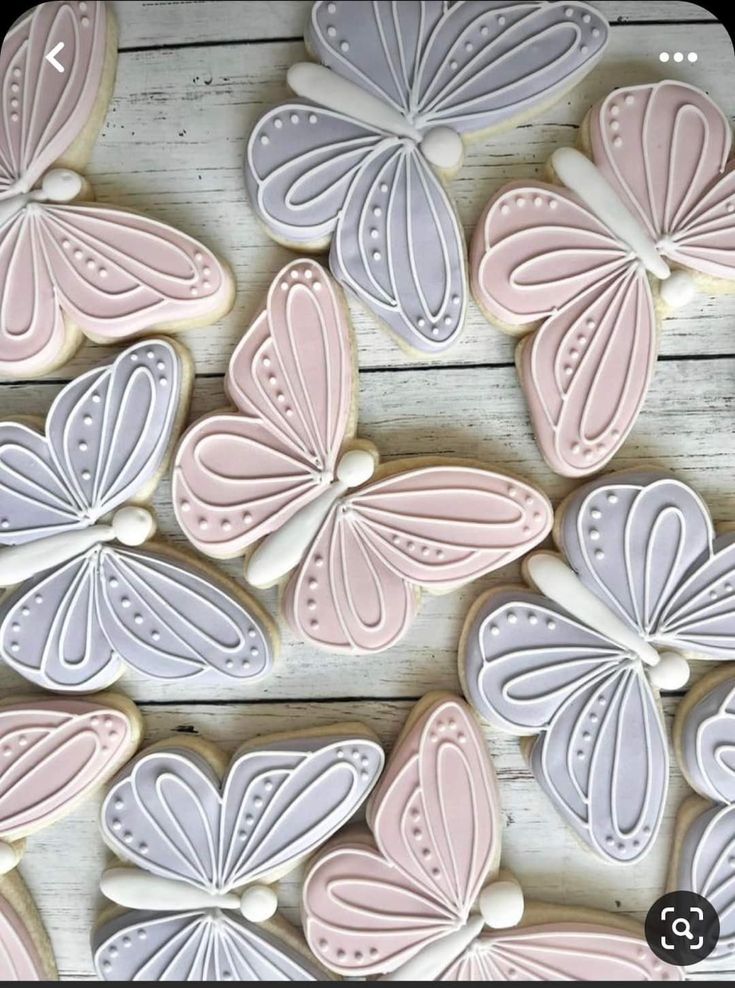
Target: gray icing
73, 625
706, 861
645, 544
531, 668
202, 945
706, 865
168, 814
107, 435
708, 744
274, 806
439, 72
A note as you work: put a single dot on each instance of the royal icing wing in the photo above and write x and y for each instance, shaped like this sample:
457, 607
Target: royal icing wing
372, 904
188, 946
78, 625
540, 253
705, 739
276, 805
646, 573
200, 847
398, 86
107, 435
646, 545
238, 477
66, 267
55, 752
36, 131
560, 952
437, 526
399, 248
665, 148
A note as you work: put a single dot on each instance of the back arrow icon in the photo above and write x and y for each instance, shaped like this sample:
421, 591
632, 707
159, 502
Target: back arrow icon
50, 56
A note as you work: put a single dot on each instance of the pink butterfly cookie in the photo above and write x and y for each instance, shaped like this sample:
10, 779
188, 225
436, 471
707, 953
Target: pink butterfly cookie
67, 266
53, 754
639, 221
574, 665
419, 897
704, 845
284, 471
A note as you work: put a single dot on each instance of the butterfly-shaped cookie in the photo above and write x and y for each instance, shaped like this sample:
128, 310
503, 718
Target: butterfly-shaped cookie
654, 200
53, 753
704, 845
419, 898
356, 159
68, 266
578, 665
207, 841
93, 594
285, 466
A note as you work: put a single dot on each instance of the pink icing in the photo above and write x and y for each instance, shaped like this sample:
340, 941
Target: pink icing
435, 818
561, 951
434, 526
239, 477
112, 272
52, 752
106, 270
410, 890
19, 959
540, 253
44, 109
662, 147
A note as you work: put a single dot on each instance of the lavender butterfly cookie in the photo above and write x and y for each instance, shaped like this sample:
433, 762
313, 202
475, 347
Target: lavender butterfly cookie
358, 158
206, 842
92, 592
704, 842
642, 584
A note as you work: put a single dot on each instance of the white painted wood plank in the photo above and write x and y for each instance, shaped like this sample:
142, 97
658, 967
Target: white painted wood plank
63, 864
150, 23
686, 426
174, 144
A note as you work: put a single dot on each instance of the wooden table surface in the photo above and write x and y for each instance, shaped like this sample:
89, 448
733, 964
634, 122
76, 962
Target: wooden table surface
192, 79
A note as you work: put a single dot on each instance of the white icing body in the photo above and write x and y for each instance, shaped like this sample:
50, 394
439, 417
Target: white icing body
442, 146
134, 889
552, 576
284, 549
130, 525
57, 185
500, 906
582, 177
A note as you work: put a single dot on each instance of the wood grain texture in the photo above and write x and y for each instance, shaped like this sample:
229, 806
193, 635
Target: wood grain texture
167, 23
173, 145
